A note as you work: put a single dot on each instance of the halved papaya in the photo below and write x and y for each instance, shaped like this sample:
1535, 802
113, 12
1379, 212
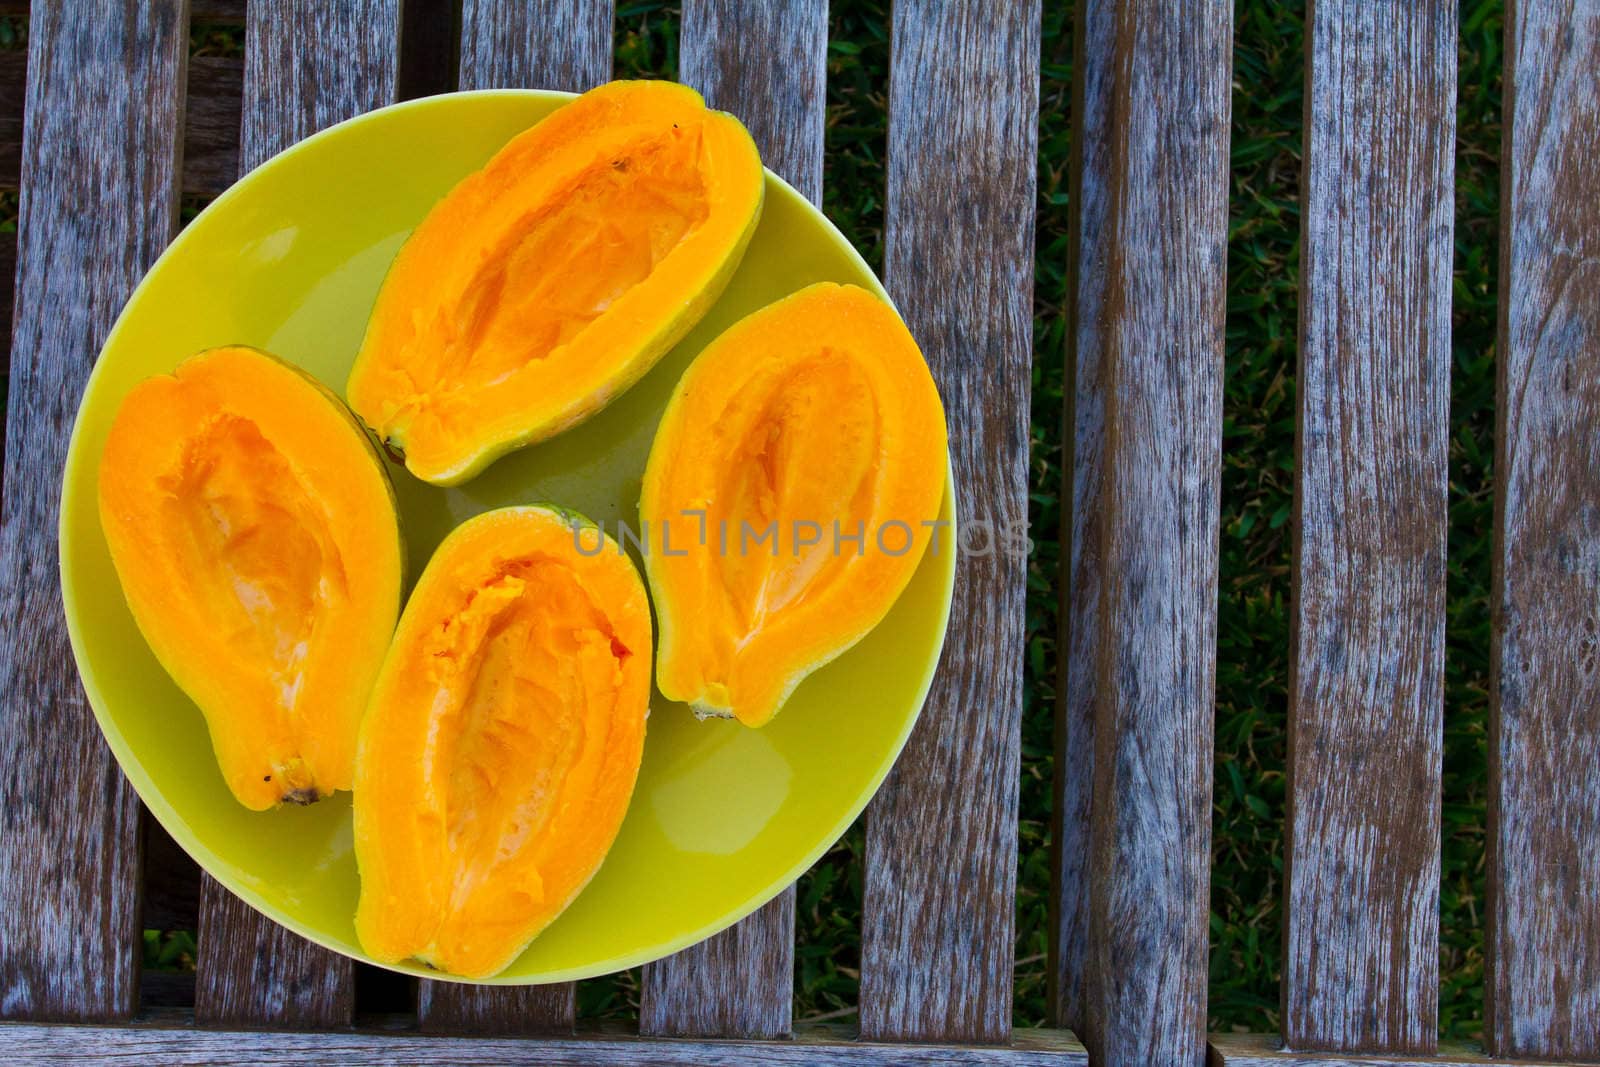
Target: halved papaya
792, 488
252, 525
551, 280
502, 741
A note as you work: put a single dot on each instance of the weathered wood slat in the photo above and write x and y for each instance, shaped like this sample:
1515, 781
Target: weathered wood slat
738, 983
1083, 477
211, 123
1262, 1050
306, 67
210, 128
543, 44
253, 972
1156, 282
767, 64
1361, 950
99, 162
1543, 946
169, 1042
936, 939
453, 1008
199, 10
546, 45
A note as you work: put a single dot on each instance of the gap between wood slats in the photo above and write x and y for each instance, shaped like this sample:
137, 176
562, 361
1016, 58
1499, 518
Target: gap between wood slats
430, 46
1081, 572
171, 901
171, 881
13, 96
8, 277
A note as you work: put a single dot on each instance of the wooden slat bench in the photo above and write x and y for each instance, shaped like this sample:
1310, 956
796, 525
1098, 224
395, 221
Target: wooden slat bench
109, 121
1361, 955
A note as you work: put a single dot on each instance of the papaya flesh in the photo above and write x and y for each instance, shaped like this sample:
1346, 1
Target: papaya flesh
547, 283
792, 488
502, 740
253, 528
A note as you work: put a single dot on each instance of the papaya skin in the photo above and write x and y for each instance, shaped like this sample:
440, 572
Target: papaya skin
502, 742
234, 495
813, 417
550, 281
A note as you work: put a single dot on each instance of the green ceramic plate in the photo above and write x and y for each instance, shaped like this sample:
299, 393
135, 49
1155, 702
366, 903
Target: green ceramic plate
290, 260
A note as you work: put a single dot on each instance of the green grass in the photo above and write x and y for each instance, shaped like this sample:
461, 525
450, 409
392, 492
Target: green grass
1257, 491
1258, 470
1472, 388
